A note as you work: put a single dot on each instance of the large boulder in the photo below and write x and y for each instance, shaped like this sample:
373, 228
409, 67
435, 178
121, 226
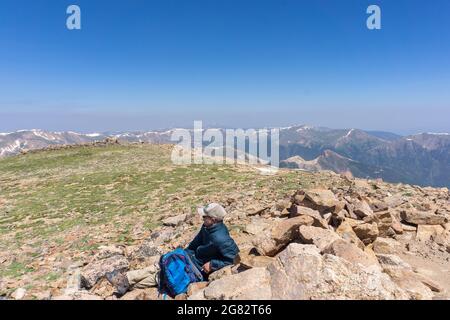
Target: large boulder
73, 282
411, 283
280, 235
361, 208
386, 223
321, 238
320, 199
252, 261
366, 232
301, 272
109, 251
422, 217
227, 271
386, 246
429, 232
389, 261
346, 232
257, 226
19, 294
394, 201
174, 221
97, 269
146, 250
161, 236
319, 221
417, 286
196, 286
253, 284
351, 253
103, 288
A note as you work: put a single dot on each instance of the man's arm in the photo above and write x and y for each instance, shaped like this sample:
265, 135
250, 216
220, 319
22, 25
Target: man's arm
228, 251
196, 242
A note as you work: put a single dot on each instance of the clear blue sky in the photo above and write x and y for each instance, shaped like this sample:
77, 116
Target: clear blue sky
138, 65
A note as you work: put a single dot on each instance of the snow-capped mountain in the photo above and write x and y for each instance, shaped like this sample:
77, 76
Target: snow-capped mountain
422, 159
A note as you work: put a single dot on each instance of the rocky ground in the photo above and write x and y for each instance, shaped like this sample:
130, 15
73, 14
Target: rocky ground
65, 222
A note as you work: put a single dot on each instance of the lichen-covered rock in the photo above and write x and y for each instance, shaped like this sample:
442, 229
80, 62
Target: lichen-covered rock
95, 270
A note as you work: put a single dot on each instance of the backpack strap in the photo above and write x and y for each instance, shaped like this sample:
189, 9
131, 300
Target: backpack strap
194, 268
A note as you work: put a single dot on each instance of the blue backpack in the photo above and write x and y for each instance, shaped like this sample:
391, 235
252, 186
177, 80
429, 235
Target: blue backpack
177, 272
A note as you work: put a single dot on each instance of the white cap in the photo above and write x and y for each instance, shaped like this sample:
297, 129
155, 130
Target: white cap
213, 210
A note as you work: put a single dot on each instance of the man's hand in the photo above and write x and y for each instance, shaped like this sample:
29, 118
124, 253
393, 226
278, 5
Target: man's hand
207, 267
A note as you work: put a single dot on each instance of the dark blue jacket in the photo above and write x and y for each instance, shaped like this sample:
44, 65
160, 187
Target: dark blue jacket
213, 245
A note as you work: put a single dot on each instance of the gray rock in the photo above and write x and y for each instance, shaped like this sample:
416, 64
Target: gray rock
392, 261
79, 295
73, 282
19, 294
109, 251
174, 221
91, 273
147, 249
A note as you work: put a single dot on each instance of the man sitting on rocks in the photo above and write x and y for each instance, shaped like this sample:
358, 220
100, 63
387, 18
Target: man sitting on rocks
210, 250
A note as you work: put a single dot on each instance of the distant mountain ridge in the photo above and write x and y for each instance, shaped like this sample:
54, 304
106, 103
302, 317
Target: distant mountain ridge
422, 159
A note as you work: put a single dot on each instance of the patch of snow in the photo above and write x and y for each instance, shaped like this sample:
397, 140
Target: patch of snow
43, 135
122, 135
349, 133
303, 128
14, 147
439, 133
93, 135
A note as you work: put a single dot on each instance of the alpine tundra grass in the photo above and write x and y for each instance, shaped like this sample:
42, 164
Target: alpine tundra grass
58, 206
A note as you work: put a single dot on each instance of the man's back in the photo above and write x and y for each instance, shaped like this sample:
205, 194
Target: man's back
214, 245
